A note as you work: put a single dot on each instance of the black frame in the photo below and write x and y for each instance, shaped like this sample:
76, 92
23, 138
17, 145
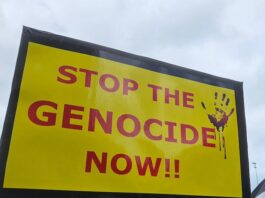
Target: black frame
57, 41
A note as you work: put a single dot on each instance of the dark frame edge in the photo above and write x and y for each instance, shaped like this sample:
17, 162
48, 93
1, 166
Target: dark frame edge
12, 104
32, 193
243, 145
106, 52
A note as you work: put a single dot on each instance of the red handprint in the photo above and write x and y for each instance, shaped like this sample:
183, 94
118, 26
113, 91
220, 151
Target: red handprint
220, 117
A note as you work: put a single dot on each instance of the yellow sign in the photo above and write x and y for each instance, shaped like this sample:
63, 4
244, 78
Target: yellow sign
85, 123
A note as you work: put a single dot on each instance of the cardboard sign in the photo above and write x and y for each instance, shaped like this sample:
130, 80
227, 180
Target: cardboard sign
96, 120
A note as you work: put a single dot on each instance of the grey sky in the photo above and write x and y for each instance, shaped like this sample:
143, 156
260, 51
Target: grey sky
221, 37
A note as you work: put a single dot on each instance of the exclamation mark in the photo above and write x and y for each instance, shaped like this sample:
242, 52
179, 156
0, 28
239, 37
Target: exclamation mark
167, 167
176, 168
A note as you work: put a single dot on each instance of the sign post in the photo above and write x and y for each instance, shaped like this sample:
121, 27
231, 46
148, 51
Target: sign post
89, 120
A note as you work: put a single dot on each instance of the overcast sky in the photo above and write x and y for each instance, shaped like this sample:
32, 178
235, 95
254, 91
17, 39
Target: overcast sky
220, 37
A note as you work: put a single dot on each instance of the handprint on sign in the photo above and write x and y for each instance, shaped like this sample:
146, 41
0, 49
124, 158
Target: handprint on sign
220, 117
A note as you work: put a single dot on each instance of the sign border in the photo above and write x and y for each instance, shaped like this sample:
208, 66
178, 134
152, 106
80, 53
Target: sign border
66, 43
